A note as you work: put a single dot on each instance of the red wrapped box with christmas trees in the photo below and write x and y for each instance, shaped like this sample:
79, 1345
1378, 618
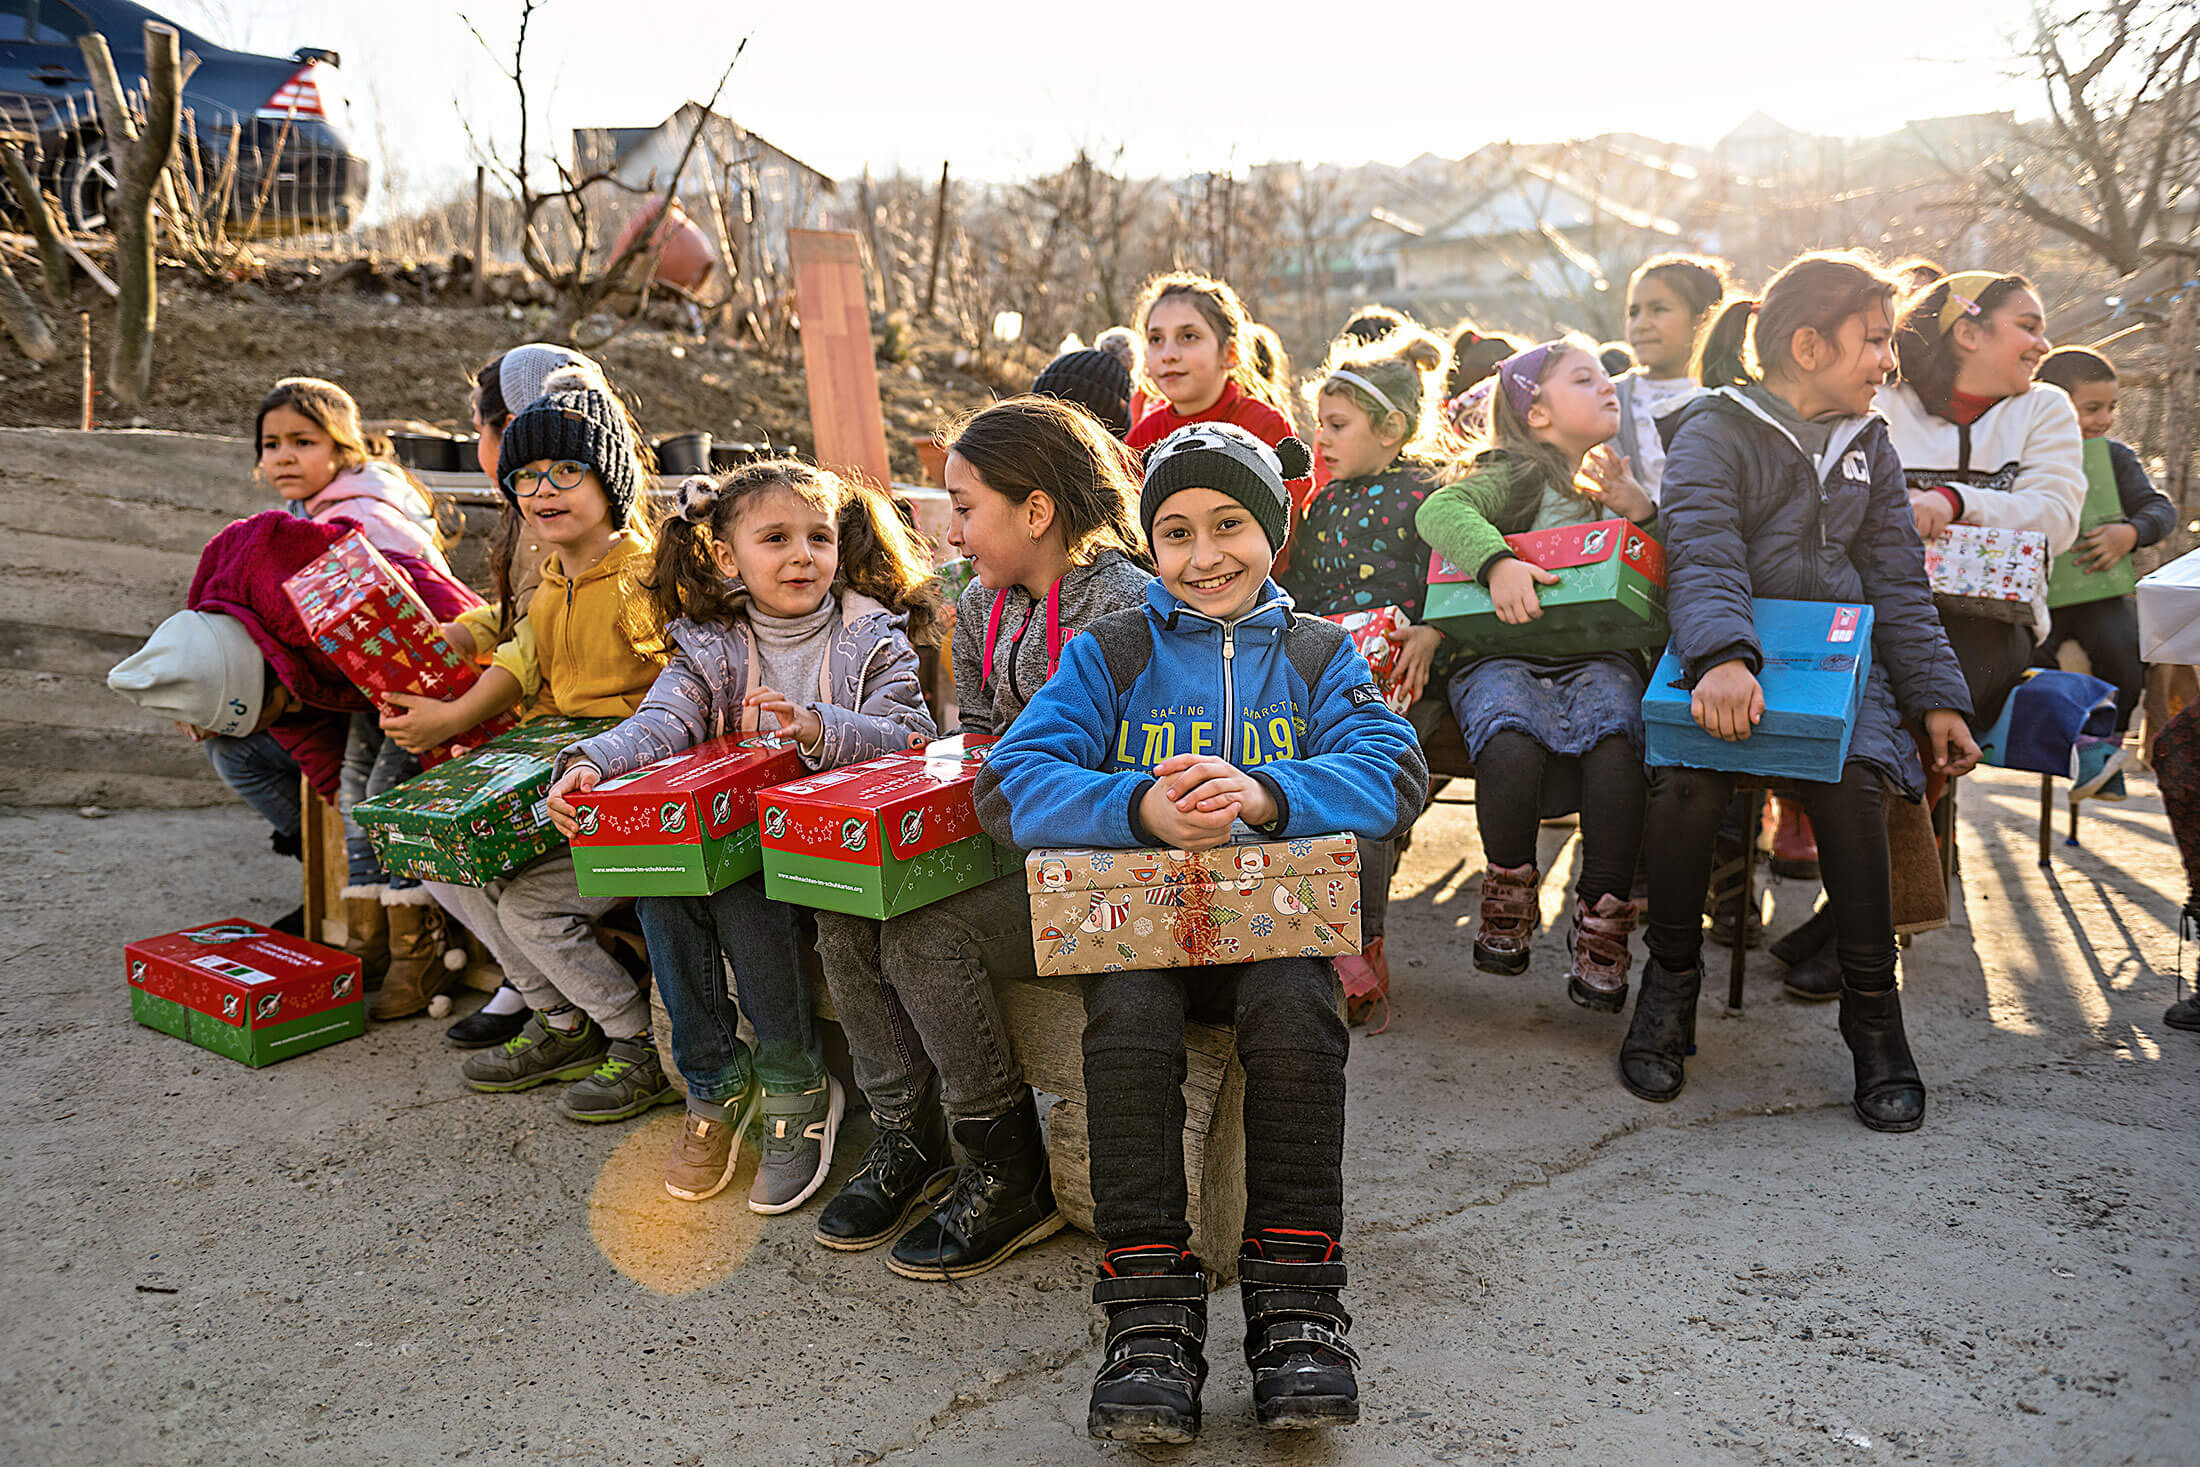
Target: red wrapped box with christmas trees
371, 623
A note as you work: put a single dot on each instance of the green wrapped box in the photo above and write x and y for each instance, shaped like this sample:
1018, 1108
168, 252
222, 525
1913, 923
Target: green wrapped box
2070, 583
1610, 594
480, 816
245, 991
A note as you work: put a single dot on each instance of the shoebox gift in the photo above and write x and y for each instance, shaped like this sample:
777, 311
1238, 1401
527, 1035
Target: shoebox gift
371, 623
2069, 583
1095, 911
1817, 660
1610, 594
882, 837
683, 826
246, 991
2169, 612
1370, 632
1979, 570
479, 816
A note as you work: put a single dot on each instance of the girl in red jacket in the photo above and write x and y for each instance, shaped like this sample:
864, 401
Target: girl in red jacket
1199, 367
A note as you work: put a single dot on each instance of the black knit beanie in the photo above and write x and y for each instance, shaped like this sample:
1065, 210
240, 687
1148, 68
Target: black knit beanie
575, 418
1096, 381
1227, 459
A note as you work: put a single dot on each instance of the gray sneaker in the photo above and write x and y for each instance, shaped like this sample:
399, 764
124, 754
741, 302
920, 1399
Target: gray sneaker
536, 1054
625, 1083
799, 1128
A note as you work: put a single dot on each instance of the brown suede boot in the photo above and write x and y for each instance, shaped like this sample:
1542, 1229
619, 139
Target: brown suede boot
1510, 906
417, 973
1598, 957
366, 933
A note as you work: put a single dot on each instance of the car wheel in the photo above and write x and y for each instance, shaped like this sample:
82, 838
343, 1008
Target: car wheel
87, 184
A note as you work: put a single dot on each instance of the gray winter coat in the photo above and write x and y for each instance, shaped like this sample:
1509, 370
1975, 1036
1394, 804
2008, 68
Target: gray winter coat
1748, 514
876, 705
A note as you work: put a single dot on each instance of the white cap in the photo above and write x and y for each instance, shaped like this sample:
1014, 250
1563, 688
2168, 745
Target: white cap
200, 668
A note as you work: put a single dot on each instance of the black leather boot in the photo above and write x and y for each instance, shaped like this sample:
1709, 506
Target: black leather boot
1148, 1386
1890, 1095
1003, 1200
1295, 1331
888, 1183
1652, 1058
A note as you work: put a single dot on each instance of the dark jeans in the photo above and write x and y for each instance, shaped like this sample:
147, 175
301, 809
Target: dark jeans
1993, 656
2109, 632
915, 997
1292, 1044
1508, 806
1850, 821
373, 765
691, 939
263, 774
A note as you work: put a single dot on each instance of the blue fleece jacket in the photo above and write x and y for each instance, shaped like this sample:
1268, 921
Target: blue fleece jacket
1285, 697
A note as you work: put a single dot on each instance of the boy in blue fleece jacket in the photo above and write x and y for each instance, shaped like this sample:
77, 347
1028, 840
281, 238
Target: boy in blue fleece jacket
1167, 725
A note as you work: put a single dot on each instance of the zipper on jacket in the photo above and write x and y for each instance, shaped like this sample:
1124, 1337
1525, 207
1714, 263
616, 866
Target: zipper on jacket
1229, 687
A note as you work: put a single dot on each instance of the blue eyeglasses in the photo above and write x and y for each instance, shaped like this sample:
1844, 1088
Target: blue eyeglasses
565, 474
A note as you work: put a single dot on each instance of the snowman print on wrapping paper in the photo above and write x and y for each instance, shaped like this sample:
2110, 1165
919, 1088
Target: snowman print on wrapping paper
1252, 870
1053, 876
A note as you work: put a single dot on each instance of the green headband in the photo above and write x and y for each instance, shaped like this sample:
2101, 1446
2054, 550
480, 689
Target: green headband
1964, 289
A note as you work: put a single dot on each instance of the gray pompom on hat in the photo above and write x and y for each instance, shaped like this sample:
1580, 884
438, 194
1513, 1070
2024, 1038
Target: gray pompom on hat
1229, 460
523, 370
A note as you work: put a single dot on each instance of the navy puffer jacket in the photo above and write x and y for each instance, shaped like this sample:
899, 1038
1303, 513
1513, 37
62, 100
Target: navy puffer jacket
1747, 513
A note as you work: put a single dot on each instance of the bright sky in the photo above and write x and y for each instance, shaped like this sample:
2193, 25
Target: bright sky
1007, 88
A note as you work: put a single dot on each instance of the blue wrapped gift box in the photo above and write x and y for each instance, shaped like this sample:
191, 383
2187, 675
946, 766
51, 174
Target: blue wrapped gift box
1818, 656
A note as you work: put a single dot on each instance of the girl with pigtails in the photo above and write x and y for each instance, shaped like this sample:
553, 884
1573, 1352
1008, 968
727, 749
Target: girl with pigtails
788, 599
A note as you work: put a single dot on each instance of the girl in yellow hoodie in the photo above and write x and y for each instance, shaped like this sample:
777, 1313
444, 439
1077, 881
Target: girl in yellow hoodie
569, 469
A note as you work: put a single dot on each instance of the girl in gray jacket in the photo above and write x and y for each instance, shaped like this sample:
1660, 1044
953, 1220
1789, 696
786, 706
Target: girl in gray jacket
789, 597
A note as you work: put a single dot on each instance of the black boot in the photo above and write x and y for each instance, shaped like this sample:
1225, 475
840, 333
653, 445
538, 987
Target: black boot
1295, 1331
888, 1183
1813, 966
1003, 1200
1890, 1096
1148, 1386
1663, 1032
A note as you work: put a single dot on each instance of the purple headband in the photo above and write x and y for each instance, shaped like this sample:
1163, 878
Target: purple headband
1520, 372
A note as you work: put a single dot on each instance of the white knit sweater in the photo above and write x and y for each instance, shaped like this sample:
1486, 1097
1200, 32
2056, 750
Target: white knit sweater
2021, 466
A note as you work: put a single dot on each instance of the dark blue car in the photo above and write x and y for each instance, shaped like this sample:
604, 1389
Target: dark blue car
288, 117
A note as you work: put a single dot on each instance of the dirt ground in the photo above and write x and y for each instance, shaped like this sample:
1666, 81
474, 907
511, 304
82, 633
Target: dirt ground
349, 1258
404, 357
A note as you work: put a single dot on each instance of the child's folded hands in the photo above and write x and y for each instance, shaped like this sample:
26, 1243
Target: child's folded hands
1195, 798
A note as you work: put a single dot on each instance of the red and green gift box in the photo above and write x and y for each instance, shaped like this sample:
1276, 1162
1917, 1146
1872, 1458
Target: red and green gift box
1097, 911
882, 837
1610, 594
480, 816
246, 991
683, 826
1371, 632
371, 623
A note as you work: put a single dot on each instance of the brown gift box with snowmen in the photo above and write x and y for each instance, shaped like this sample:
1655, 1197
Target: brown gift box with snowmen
1095, 911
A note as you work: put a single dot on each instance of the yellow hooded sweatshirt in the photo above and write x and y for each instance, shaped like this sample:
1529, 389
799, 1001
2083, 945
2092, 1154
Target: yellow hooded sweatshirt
589, 631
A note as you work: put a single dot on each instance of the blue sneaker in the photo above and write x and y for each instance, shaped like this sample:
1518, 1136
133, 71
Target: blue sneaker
2100, 770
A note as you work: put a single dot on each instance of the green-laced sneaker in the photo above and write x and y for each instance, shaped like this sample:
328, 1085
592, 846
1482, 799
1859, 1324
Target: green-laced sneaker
535, 1055
626, 1082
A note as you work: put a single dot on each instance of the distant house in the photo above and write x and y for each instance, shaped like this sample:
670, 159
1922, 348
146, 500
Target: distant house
761, 190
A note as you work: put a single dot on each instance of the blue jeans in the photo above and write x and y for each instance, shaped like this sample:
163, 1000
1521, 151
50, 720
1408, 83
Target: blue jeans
264, 776
691, 939
373, 765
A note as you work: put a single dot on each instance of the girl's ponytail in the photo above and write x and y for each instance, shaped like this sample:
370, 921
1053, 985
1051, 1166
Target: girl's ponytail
683, 579
882, 558
1722, 357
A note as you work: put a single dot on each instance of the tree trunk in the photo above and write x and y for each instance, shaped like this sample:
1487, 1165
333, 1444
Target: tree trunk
53, 262
2178, 401
21, 316
143, 158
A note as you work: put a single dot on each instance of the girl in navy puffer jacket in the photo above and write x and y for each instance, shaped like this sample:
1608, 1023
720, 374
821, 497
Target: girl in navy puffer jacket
1787, 487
